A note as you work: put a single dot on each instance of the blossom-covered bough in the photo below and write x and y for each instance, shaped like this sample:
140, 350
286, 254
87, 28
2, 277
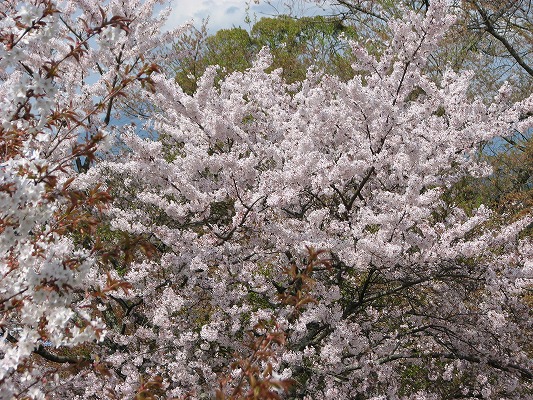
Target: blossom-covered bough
62, 67
405, 296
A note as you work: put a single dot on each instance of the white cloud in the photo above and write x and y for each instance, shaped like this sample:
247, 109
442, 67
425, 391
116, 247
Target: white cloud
225, 14
222, 14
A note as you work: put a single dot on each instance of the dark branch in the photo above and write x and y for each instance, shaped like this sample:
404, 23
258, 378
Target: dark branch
489, 27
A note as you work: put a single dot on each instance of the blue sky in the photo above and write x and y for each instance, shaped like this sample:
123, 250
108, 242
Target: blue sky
225, 14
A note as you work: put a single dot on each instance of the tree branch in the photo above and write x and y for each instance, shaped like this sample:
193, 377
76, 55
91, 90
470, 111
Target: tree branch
489, 28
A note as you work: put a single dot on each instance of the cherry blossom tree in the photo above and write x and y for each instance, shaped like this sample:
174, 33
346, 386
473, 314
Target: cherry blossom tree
415, 298
303, 245
63, 66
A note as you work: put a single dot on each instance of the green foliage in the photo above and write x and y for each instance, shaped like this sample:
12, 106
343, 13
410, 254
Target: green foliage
413, 379
508, 190
258, 301
231, 49
296, 44
299, 43
222, 212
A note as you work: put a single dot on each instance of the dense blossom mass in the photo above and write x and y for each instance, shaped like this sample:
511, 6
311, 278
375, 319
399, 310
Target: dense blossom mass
275, 240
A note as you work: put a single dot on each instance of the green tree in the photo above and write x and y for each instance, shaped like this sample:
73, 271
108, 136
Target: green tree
230, 49
298, 43
295, 43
